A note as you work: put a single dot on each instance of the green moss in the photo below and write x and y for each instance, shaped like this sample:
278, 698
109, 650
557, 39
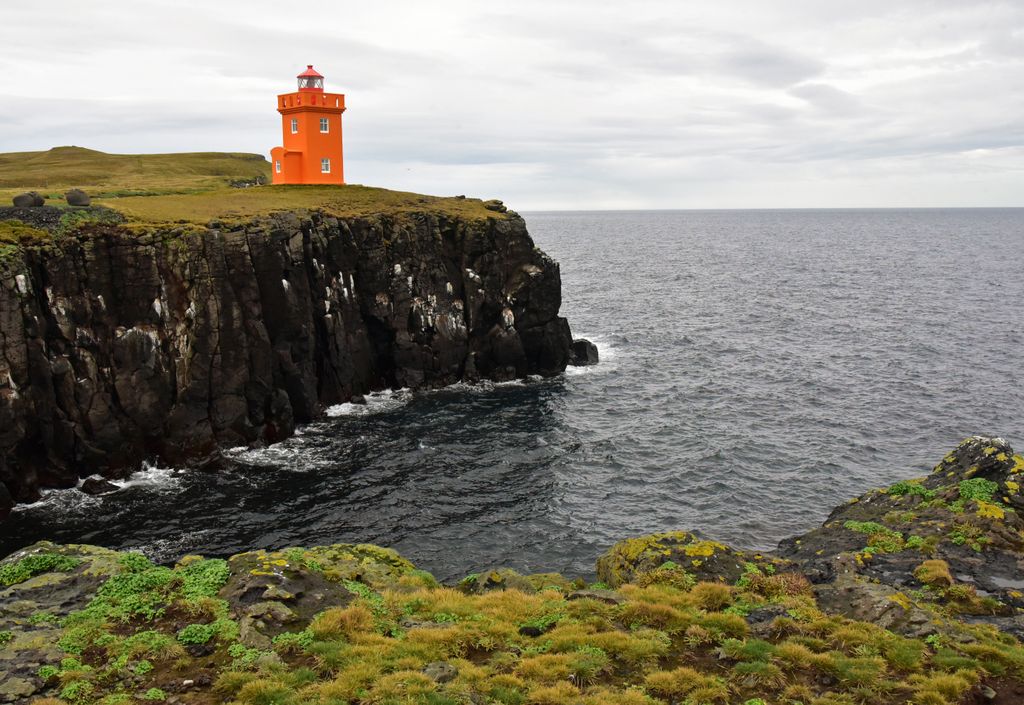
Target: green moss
978, 489
881, 539
197, 633
14, 232
910, 487
34, 564
203, 578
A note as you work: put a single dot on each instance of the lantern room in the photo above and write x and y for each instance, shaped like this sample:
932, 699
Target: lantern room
311, 80
311, 151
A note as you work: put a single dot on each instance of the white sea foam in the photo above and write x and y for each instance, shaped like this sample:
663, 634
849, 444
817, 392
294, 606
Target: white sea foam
73, 500
152, 476
376, 403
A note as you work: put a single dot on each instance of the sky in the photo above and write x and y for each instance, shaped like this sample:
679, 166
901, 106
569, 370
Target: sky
554, 104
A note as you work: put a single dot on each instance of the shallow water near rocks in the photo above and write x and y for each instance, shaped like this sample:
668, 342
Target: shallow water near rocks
758, 368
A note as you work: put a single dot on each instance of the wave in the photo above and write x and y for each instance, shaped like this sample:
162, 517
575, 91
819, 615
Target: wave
376, 403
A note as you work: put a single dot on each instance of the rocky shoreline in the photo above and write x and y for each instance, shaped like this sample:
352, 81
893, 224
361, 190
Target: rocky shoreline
124, 341
911, 593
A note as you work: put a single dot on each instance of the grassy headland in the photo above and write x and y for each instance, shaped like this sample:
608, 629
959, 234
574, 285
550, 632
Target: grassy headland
197, 187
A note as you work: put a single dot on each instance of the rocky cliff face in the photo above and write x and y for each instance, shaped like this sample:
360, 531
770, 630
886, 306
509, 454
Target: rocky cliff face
117, 345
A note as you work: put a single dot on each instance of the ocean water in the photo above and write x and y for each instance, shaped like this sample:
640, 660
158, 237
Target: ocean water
758, 368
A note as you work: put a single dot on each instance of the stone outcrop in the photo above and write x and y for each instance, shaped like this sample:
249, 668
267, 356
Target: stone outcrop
630, 559
77, 197
119, 344
953, 540
907, 558
31, 199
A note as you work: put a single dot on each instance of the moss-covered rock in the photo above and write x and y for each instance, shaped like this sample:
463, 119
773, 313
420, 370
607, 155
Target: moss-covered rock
39, 586
496, 579
705, 560
966, 515
358, 624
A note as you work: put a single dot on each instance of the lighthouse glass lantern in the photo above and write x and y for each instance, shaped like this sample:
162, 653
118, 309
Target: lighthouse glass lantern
310, 80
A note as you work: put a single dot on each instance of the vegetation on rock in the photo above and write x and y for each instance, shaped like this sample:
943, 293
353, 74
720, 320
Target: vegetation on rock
359, 624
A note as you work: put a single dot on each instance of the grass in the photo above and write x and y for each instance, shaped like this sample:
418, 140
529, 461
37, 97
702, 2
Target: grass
660, 642
53, 172
195, 187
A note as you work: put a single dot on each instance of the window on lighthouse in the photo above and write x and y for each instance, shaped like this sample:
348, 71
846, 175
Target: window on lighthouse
277, 166
325, 166
295, 126
325, 125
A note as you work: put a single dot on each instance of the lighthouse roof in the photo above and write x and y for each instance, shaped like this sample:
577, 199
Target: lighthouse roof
310, 72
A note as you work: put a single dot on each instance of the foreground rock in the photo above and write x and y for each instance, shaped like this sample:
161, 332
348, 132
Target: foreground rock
122, 343
677, 618
637, 559
954, 540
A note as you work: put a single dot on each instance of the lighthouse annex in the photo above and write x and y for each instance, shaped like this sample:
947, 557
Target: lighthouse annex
311, 134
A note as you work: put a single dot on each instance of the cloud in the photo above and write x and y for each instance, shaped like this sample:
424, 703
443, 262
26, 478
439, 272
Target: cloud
557, 103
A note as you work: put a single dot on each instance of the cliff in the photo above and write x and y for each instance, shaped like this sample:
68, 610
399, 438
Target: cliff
178, 324
858, 611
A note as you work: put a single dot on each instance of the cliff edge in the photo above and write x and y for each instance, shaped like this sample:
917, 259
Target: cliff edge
168, 326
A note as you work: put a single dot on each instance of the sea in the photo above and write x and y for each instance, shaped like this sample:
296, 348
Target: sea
758, 367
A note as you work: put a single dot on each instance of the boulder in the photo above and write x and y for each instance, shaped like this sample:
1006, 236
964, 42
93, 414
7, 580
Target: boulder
31, 199
582, 353
496, 579
704, 560
440, 671
97, 485
77, 197
495, 205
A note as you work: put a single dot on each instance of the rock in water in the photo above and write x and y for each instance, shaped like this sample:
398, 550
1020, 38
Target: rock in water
30, 199
97, 485
583, 353
77, 197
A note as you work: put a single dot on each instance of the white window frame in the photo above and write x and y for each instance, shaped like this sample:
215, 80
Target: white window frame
325, 166
295, 126
325, 125
277, 166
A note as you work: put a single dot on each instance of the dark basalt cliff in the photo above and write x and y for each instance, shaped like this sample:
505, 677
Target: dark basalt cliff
119, 344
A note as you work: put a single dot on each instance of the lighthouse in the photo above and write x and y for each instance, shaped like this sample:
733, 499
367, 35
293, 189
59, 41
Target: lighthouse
311, 134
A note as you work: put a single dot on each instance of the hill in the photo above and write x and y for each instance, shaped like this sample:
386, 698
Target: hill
197, 187
121, 174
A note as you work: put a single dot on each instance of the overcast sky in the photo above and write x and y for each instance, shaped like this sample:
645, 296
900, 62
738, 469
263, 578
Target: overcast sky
554, 103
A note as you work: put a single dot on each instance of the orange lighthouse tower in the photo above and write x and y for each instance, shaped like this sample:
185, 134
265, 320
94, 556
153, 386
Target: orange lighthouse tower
311, 129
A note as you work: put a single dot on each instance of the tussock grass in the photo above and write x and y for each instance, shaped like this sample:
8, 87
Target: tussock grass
652, 644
